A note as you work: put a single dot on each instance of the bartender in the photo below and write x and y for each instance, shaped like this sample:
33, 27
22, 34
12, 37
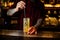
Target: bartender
36, 5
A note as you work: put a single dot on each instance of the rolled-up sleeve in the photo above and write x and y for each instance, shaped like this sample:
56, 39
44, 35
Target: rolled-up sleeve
10, 12
38, 23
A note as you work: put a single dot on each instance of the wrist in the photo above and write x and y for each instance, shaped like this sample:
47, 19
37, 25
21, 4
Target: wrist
16, 9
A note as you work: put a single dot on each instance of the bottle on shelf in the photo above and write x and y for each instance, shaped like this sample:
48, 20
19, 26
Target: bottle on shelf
59, 20
47, 20
53, 21
55, 12
49, 12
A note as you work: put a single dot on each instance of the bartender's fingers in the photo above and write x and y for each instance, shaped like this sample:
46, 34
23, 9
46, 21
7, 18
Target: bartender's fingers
23, 2
21, 5
29, 30
33, 31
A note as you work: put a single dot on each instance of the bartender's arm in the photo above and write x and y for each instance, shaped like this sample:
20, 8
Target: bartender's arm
35, 27
38, 5
20, 5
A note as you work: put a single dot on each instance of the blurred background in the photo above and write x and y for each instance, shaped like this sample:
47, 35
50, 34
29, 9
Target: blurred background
51, 20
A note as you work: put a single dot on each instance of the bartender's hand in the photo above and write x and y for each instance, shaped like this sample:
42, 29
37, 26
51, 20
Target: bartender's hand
32, 30
20, 5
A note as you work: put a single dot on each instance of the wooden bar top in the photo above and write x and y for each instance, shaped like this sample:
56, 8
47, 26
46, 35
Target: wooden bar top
43, 34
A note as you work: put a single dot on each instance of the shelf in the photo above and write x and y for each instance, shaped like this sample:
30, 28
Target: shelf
49, 5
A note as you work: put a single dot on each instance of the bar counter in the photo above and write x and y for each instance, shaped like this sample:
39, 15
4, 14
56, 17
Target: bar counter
43, 34
17, 34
